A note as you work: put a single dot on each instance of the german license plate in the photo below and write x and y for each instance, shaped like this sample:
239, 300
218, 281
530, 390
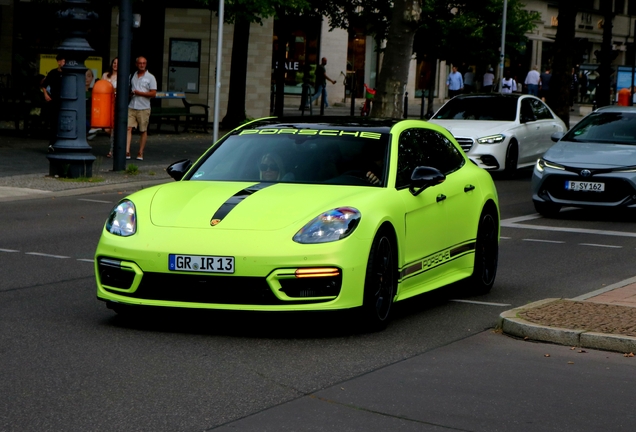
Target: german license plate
584, 186
201, 263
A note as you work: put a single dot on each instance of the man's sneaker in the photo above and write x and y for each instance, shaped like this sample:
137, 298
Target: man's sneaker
140, 156
91, 136
127, 155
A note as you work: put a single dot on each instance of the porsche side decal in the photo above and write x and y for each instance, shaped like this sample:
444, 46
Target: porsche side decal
235, 200
438, 258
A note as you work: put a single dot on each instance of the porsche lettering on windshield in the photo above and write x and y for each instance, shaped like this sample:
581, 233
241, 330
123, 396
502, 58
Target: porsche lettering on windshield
312, 132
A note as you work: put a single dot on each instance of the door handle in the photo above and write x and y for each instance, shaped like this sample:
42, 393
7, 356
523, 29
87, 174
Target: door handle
469, 188
441, 197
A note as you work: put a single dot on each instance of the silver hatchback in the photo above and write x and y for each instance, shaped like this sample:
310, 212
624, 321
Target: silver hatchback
592, 165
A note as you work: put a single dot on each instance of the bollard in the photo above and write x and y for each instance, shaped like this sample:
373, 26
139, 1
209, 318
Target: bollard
406, 104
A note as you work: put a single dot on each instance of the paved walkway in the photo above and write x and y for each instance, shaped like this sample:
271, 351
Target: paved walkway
603, 319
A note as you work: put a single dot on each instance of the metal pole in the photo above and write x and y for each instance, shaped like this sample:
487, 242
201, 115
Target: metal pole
124, 49
219, 54
502, 55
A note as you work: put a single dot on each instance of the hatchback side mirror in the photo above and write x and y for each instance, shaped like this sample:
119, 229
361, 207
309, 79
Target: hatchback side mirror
557, 136
424, 177
178, 169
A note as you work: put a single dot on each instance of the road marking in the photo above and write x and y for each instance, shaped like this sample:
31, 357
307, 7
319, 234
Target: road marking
521, 219
600, 245
571, 230
479, 303
92, 200
9, 250
505, 238
543, 241
86, 260
46, 255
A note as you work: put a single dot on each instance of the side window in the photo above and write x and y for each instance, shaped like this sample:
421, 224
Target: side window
423, 147
541, 112
527, 112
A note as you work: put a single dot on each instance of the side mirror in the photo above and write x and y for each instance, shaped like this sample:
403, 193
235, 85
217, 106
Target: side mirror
557, 136
178, 169
424, 177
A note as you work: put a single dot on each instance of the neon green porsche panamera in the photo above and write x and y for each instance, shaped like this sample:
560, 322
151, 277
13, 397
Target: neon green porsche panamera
299, 215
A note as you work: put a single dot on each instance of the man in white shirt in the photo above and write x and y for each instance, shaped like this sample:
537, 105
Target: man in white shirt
532, 81
143, 87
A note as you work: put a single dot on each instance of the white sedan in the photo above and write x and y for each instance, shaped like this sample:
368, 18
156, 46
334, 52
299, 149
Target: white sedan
500, 132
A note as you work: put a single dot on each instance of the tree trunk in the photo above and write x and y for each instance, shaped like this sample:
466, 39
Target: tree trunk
389, 97
238, 76
605, 57
562, 63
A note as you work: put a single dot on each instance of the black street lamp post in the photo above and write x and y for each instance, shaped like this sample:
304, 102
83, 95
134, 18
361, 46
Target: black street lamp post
70, 155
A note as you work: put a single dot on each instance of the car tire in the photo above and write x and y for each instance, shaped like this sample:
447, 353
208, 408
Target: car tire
380, 283
512, 158
486, 253
546, 209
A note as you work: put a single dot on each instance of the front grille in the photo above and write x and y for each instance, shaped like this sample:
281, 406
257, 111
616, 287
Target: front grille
207, 289
312, 287
465, 143
616, 190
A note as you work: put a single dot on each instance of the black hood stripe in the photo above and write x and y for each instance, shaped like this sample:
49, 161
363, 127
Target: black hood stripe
233, 201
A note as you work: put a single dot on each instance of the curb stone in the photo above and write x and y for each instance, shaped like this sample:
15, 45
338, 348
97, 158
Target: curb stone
511, 324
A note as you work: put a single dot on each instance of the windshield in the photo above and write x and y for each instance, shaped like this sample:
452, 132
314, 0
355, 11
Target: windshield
314, 156
479, 108
605, 127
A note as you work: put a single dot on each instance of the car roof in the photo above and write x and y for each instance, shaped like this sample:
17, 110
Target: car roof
616, 108
325, 122
490, 95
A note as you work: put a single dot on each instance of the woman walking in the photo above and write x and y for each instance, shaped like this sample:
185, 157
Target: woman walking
111, 77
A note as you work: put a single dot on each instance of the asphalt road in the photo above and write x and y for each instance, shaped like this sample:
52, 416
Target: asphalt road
68, 363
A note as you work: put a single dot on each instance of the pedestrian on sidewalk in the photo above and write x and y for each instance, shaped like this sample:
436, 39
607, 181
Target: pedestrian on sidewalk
532, 81
544, 86
321, 83
455, 83
111, 76
489, 78
51, 86
143, 87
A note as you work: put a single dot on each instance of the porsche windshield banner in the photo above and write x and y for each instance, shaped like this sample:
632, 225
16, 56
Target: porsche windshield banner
311, 132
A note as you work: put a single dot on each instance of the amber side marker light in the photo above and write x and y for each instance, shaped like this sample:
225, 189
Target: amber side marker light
317, 272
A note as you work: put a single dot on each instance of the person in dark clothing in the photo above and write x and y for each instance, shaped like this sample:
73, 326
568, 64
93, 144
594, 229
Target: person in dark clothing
51, 86
321, 83
544, 85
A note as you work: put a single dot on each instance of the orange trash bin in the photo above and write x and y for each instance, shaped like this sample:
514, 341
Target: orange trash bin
623, 97
103, 105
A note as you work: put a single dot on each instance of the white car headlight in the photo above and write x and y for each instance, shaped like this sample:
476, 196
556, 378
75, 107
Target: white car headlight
122, 220
542, 164
330, 226
491, 139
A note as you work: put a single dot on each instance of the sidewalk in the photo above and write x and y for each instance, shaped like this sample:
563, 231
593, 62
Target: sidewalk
604, 319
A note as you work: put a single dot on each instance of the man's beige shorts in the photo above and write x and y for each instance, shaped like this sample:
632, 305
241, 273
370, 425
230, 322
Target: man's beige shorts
139, 119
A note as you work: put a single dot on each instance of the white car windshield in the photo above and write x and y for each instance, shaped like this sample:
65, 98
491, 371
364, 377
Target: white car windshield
315, 156
485, 107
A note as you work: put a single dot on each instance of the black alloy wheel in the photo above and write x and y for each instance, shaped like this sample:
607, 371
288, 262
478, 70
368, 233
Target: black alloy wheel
547, 209
380, 282
486, 254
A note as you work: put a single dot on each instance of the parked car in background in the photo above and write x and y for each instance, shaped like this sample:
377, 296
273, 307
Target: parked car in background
306, 214
500, 132
593, 165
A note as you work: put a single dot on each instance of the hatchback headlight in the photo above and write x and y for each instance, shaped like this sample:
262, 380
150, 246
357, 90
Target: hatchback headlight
122, 220
542, 164
491, 139
330, 226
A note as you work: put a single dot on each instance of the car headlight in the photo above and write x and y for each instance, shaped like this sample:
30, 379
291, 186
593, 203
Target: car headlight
491, 139
542, 164
331, 225
122, 220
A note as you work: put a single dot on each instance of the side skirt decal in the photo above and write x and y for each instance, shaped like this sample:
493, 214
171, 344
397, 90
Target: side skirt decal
437, 259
